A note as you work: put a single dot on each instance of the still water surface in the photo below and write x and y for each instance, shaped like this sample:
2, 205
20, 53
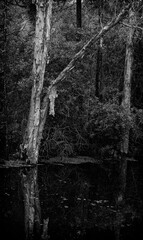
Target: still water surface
77, 200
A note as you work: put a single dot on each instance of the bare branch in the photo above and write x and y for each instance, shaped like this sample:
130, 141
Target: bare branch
128, 25
94, 39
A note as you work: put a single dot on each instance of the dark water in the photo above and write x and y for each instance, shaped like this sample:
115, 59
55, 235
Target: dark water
78, 200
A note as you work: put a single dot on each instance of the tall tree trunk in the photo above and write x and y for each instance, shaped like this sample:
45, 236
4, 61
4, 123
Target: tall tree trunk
38, 109
126, 103
35, 125
6, 73
98, 71
78, 14
98, 79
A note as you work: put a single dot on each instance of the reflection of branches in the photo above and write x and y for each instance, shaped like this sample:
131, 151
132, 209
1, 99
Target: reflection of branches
59, 182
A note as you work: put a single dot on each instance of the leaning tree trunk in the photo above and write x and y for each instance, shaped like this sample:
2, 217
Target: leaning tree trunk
126, 103
86, 47
38, 109
35, 124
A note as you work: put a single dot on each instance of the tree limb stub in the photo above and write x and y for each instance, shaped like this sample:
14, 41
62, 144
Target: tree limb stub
94, 39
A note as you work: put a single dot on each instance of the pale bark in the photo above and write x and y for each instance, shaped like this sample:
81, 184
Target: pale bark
42, 36
72, 64
38, 110
126, 104
98, 79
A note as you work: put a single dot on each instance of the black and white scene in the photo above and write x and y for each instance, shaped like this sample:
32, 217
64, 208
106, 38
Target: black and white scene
71, 119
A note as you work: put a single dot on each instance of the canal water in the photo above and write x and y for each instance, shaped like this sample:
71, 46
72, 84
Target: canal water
78, 202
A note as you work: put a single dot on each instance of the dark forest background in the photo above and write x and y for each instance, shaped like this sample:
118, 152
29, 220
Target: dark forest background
88, 116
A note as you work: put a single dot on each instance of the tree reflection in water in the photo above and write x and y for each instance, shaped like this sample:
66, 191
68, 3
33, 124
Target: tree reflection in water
72, 202
31, 202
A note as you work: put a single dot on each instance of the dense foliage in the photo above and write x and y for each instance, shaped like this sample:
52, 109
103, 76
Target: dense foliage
83, 123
